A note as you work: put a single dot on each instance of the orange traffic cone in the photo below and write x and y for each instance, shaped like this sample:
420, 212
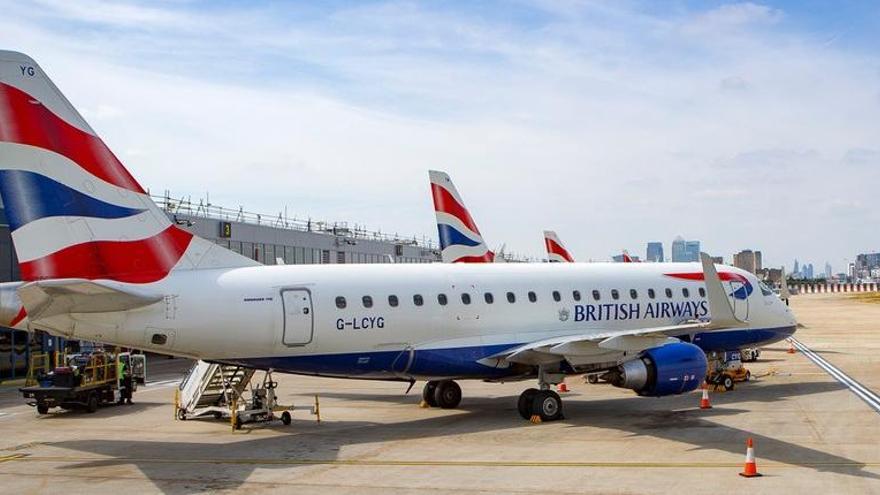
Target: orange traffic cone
751, 468
704, 402
562, 387
791, 349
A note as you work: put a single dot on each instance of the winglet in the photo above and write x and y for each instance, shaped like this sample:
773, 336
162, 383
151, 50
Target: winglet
719, 304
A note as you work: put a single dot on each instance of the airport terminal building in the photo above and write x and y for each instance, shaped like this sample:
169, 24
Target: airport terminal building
267, 239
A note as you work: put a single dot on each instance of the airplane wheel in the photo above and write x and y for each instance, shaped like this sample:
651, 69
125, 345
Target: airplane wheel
448, 394
524, 405
428, 393
547, 405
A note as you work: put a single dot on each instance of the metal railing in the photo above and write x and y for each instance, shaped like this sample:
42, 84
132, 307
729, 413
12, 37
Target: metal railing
205, 209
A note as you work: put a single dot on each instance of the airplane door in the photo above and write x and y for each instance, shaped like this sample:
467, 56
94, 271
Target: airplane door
298, 317
739, 300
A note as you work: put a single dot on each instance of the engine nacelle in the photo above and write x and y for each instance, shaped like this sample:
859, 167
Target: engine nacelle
665, 370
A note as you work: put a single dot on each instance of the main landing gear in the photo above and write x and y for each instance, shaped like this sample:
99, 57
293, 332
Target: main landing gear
445, 394
544, 402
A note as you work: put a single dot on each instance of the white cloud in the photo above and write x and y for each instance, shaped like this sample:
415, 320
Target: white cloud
612, 125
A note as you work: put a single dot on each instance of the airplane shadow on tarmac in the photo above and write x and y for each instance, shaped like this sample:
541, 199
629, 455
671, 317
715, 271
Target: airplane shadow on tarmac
673, 418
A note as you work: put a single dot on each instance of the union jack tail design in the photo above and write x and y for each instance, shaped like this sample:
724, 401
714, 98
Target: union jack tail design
73, 208
460, 239
556, 252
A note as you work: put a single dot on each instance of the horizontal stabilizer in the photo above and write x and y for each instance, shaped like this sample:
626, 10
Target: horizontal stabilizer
46, 298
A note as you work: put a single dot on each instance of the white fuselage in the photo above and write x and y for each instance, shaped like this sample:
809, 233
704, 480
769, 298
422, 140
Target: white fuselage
288, 317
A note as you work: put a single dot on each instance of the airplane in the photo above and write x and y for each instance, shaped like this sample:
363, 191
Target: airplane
556, 252
101, 262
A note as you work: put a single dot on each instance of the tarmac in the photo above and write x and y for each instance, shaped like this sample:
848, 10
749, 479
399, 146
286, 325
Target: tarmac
812, 433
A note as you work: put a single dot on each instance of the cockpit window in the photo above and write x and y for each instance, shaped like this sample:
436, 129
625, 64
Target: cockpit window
764, 289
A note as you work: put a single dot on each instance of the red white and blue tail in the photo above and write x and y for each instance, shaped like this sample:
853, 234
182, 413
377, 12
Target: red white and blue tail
556, 252
73, 208
460, 239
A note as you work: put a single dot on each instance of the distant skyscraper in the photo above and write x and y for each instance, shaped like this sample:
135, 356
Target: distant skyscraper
683, 250
797, 268
655, 252
745, 259
692, 250
759, 262
678, 249
828, 272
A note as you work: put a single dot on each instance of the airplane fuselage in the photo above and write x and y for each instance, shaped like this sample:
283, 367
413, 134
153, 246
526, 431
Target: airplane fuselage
390, 321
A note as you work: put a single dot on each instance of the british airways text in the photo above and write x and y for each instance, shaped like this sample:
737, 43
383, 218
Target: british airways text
635, 311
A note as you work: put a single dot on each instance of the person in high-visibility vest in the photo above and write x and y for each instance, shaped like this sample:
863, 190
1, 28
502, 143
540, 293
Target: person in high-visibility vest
123, 374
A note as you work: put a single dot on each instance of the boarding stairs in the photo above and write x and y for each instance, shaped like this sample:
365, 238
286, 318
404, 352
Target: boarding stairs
211, 388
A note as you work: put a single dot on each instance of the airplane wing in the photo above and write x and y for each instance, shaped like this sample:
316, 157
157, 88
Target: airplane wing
598, 343
47, 298
556, 349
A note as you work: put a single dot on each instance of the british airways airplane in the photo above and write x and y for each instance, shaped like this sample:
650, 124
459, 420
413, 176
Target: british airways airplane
101, 262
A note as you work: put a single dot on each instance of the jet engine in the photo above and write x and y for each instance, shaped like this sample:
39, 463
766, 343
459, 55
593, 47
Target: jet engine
665, 370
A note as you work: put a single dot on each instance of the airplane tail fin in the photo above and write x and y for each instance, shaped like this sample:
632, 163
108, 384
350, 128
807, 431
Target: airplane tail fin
73, 208
556, 252
626, 257
460, 239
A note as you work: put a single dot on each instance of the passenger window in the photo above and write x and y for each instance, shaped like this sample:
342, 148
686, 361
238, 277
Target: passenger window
511, 297
489, 297
533, 297
669, 293
340, 302
702, 292
576, 295
596, 295
466, 298
392, 301
557, 296
633, 294
651, 293
685, 292
614, 294
442, 300
418, 300
368, 301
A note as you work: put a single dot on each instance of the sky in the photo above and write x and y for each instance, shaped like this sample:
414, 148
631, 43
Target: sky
744, 125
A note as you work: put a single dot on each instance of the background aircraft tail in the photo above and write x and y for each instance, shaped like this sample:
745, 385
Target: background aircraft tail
460, 239
556, 252
73, 208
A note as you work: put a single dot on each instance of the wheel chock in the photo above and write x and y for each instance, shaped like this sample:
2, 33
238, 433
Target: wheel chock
424, 405
536, 419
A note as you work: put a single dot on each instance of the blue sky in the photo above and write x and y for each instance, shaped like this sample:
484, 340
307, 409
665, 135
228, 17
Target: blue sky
745, 125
